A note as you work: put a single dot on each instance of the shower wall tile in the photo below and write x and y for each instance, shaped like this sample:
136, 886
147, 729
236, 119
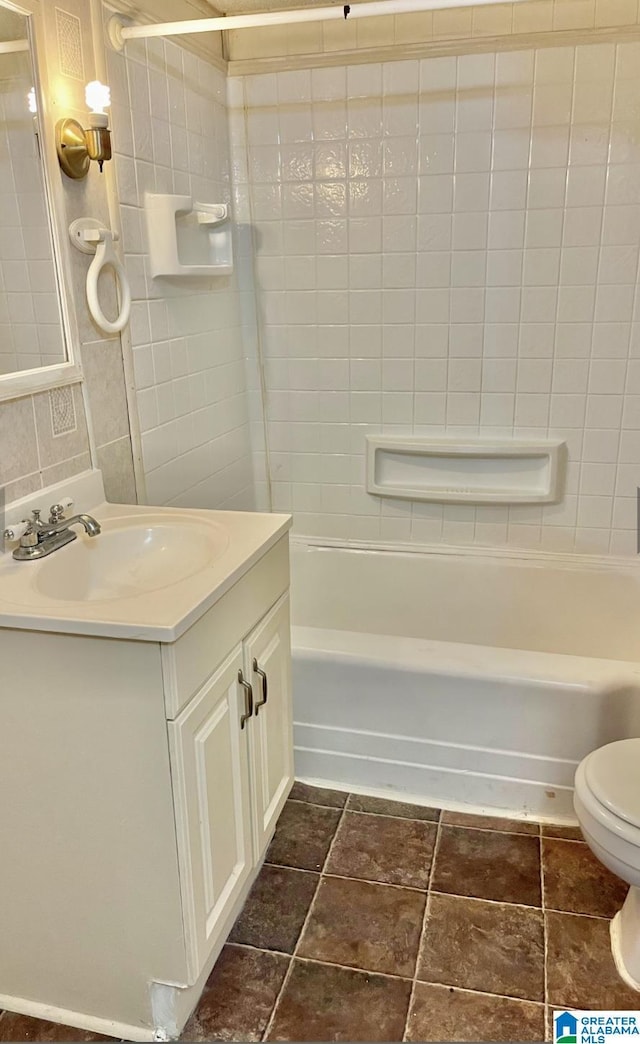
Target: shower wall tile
450, 245
188, 355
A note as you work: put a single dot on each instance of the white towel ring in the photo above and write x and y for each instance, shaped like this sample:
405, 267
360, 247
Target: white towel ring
91, 237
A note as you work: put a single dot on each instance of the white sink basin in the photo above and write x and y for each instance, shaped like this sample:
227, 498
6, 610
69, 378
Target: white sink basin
148, 576
128, 558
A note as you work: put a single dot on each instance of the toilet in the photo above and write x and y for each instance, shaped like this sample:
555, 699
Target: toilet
607, 804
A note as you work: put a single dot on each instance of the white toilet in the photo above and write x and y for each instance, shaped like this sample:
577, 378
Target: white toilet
607, 804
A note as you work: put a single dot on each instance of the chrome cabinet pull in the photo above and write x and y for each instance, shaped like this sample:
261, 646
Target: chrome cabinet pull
265, 690
248, 695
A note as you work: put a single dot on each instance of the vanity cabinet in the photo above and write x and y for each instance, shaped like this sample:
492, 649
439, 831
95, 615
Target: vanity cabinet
231, 752
141, 783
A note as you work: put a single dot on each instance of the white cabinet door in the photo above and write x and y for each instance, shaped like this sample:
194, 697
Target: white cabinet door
268, 665
209, 751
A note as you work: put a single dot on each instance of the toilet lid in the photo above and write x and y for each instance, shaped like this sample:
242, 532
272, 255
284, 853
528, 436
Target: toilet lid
613, 776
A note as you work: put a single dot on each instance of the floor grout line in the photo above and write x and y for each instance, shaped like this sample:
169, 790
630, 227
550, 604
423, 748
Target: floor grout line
389, 815
544, 938
438, 891
425, 919
456, 826
312, 904
389, 975
382, 884
429, 892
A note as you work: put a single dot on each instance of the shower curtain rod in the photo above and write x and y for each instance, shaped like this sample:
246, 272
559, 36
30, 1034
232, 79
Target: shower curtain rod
120, 31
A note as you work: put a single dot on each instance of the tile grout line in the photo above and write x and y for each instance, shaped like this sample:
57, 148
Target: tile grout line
362, 812
312, 904
544, 937
390, 975
328, 964
425, 918
324, 874
540, 827
454, 826
374, 881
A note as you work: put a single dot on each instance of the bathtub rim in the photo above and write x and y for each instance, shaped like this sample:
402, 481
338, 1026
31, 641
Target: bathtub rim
571, 560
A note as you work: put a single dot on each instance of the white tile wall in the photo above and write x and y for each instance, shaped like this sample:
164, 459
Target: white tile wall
171, 133
452, 245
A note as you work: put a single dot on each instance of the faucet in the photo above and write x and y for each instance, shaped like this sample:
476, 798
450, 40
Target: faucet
40, 538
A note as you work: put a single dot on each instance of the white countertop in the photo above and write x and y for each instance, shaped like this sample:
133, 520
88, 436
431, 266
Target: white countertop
159, 615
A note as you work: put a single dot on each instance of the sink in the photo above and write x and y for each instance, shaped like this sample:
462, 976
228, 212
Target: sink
129, 557
149, 575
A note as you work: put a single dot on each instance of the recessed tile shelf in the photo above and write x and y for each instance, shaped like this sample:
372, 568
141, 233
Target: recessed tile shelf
188, 238
455, 471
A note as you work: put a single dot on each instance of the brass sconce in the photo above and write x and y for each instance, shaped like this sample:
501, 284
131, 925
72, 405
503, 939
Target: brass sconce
76, 147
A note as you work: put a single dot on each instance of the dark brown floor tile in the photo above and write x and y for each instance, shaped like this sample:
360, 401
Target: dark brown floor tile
441, 1013
20, 1027
380, 848
492, 947
303, 835
324, 1003
576, 882
580, 968
274, 913
363, 925
511, 826
318, 795
488, 865
385, 807
239, 996
568, 833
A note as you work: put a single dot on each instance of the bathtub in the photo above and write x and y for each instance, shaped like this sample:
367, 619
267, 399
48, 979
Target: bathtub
468, 679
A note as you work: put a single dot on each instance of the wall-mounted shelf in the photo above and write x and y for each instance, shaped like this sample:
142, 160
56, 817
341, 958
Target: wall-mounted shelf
187, 238
456, 471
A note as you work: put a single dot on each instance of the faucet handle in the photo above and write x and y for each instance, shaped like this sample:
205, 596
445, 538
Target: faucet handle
15, 531
30, 536
56, 513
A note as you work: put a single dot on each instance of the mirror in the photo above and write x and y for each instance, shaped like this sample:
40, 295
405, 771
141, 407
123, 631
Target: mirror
32, 334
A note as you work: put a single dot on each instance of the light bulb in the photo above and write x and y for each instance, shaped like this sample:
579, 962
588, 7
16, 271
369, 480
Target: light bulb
31, 99
98, 97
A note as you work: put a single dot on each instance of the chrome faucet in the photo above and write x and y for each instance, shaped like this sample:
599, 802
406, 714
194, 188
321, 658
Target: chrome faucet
40, 538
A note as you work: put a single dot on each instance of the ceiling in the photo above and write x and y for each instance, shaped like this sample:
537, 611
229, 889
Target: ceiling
232, 7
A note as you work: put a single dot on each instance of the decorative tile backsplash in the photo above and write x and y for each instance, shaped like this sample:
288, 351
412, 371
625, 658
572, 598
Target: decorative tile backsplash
63, 414
451, 245
69, 34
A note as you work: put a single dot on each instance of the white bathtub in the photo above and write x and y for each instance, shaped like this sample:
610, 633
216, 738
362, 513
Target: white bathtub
461, 678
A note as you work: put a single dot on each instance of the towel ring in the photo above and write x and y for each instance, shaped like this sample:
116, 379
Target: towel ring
89, 236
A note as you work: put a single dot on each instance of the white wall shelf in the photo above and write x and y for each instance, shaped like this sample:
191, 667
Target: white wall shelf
456, 471
187, 238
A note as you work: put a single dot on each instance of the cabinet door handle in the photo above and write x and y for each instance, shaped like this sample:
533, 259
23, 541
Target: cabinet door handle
265, 690
248, 695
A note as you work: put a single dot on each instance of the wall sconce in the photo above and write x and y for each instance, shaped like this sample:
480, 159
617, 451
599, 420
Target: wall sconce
75, 146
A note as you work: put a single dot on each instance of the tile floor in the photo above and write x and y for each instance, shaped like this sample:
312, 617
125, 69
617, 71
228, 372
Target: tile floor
374, 920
